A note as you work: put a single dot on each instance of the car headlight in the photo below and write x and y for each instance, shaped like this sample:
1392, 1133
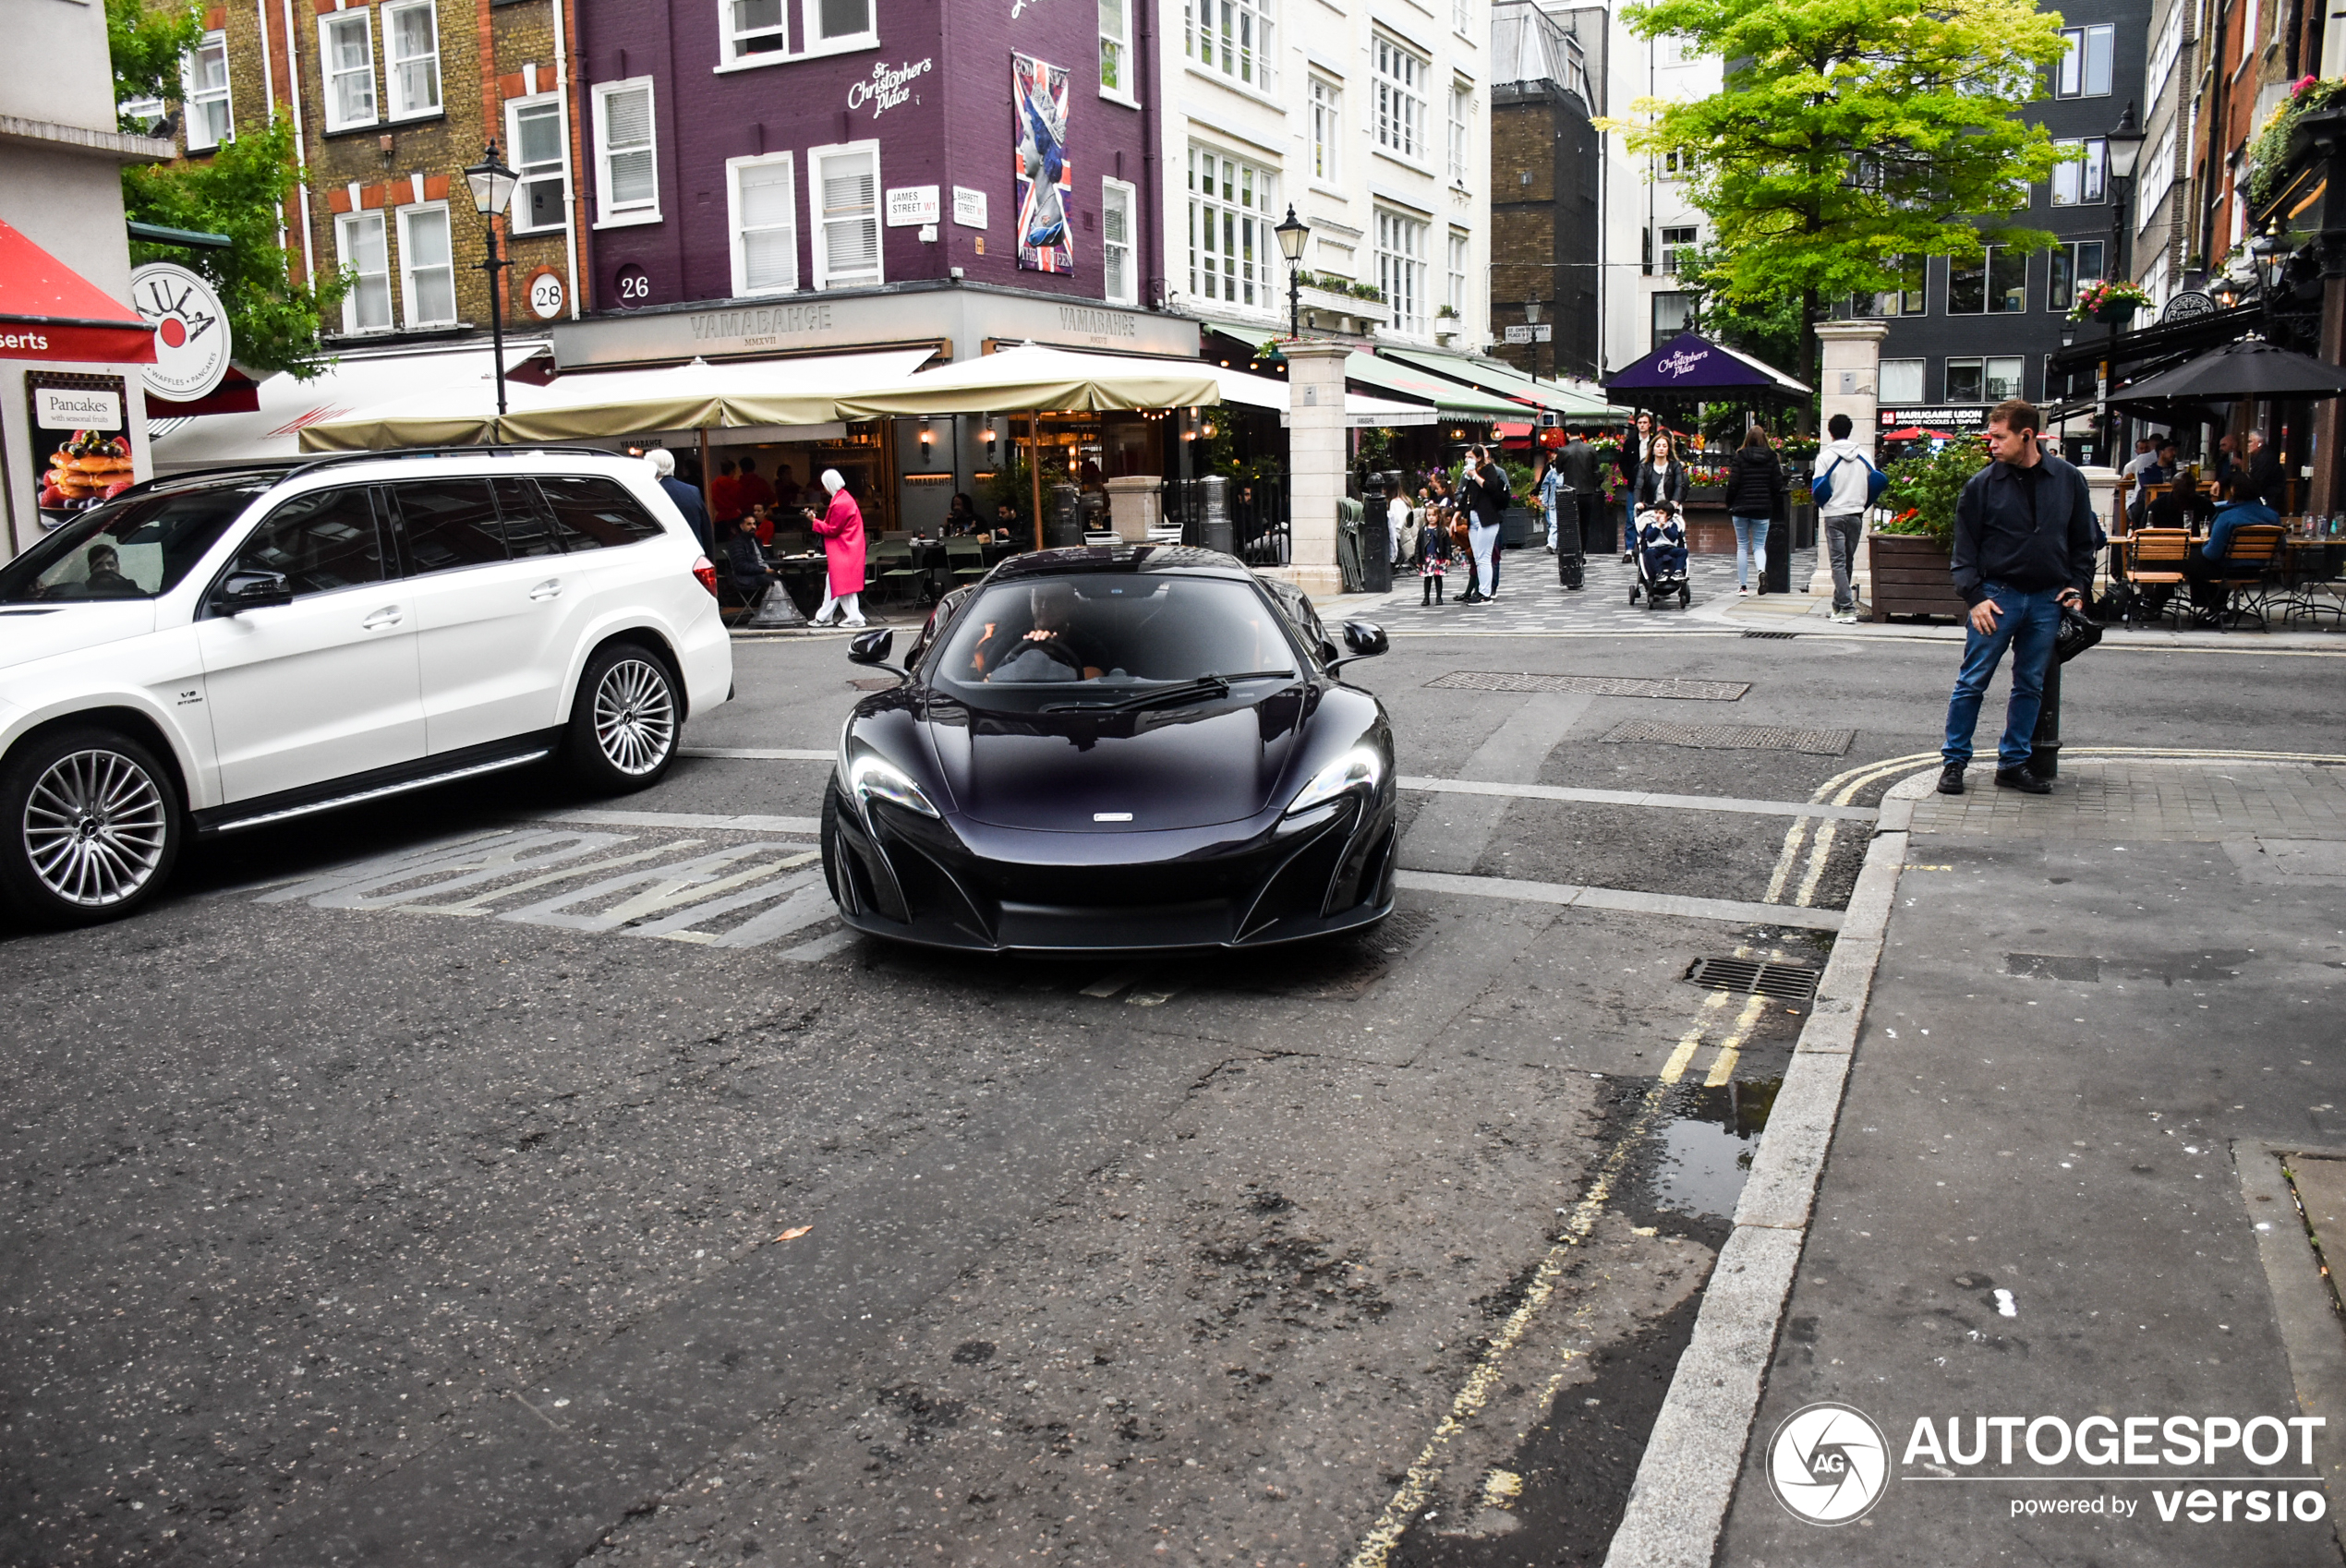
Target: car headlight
1359, 768
872, 778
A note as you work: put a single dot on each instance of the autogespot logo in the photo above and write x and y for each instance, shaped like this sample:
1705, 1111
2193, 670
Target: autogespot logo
1828, 1463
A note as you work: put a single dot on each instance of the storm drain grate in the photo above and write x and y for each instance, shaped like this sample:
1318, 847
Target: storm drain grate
1400, 932
1788, 982
1731, 737
1593, 685
1773, 636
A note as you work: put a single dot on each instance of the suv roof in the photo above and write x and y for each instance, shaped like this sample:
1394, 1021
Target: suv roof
279, 470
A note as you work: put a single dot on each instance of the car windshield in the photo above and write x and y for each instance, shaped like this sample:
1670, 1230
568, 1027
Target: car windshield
1110, 637
133, 548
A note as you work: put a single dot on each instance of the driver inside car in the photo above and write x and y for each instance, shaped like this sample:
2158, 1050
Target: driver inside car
1053, 648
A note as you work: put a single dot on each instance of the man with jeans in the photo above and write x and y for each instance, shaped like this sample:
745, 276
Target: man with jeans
1841, 488
2023, 547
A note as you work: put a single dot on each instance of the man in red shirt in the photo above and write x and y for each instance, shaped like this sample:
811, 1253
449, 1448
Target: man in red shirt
725, 499
754, 490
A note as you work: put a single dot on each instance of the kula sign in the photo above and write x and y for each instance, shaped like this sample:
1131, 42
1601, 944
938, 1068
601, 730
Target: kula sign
191, 331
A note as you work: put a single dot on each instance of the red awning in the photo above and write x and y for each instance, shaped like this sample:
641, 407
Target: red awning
1511, 431
50, 311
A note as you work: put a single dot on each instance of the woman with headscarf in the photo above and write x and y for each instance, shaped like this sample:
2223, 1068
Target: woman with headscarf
842, 527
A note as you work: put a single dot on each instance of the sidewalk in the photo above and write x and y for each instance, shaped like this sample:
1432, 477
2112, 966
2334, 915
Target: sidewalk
2058, 1214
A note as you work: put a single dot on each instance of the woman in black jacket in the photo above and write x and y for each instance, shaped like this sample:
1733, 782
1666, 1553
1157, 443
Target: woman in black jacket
1662, 480
1755, 489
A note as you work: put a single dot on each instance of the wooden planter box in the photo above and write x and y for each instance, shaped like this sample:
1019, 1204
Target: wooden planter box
1912, 575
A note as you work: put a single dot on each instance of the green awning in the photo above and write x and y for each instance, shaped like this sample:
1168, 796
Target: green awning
1386, 376
1504, 380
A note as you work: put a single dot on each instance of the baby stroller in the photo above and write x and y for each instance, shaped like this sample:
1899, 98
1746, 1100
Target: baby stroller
1661, 560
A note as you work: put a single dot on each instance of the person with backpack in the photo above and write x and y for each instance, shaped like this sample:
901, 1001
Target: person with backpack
1847, 483
1755, 489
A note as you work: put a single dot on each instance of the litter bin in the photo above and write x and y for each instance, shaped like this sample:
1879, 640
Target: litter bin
1064, 527
1376, 549
1216, 532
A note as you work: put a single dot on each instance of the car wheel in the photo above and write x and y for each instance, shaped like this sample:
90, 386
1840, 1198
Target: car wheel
625, 719
92, 824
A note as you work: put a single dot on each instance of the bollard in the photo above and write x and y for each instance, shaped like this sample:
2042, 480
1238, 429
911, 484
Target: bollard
1775, 570
2044, 758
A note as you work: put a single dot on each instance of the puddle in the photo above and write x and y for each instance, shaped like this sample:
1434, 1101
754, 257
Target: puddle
1706, 1148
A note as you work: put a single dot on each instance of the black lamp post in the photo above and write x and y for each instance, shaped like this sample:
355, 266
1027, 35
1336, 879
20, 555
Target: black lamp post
492, 186
2125, 143
1292, 234
1531, 320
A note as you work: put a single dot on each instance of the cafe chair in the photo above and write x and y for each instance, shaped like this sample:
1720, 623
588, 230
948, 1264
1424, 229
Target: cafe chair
2157, 563
888, 571
965, 558
2252, 559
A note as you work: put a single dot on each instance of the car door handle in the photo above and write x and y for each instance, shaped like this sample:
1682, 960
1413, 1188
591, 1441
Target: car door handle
389, 615
551, 588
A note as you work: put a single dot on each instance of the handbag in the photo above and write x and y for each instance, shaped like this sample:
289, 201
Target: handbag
2077, 633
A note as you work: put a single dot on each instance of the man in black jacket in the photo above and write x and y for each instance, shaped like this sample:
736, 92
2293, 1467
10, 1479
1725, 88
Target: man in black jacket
1578, 464
2024, 542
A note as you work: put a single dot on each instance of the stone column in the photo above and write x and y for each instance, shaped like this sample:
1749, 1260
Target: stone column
1135, 504
1852, 386
1315, 465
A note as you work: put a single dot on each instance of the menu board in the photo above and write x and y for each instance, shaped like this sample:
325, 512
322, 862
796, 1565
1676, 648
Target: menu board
80, 441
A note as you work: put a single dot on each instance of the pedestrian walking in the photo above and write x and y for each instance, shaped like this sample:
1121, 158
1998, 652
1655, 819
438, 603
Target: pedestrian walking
1843, 489
1398, 522
2023, 547
1662, 480
1578, 464
1432, 549
2264, 481
687, 500
1755, 489
1636, 447
842, 526
1484, 491
1548, 485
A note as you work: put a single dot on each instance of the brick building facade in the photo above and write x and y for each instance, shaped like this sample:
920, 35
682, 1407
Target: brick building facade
1547, 173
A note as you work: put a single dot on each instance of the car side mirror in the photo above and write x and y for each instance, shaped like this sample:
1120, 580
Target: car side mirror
253, 590
1365, 638
871, 648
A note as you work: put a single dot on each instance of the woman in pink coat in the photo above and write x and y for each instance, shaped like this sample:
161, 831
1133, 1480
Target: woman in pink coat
843, 530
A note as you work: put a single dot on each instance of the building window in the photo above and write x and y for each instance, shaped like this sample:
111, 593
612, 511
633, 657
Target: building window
1902, 381
411, 59
1229, 223
1230, 36
358, 239
2084, 70
1673, 166
1905, 301
1461, 120
1672, 314
1117, 206
625, 150
1462, 19
427, 270
763, 196
346, 55
1999, 284
2158, 176
843, 189
2074, 266
1673, 242
2081, 179
535, 140
1400, 266
753, 27
204, 75
1116, 47
1400, 101
1460, 249
758, 31
1983, 381
2164, 54
1326, 128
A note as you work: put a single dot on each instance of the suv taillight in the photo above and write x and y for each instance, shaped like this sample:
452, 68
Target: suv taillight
706, 572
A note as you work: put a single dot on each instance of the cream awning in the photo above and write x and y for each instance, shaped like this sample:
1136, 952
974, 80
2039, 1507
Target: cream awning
1032, 377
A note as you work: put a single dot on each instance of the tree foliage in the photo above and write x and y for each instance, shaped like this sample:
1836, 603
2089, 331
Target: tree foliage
147, 44
1849, 133
237, 191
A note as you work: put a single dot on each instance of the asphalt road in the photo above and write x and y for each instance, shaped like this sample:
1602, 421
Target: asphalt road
471, 1180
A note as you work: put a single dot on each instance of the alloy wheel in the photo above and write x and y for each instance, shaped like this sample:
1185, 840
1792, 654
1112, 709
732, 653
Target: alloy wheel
634, 715
95, 827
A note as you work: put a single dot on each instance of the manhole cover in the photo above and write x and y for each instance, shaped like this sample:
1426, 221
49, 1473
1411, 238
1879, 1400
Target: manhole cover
1400, 932
1790, 982
1731, 737
1593, 685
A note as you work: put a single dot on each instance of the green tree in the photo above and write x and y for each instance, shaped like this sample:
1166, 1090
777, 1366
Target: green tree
239, 192
1849, 133
147, 44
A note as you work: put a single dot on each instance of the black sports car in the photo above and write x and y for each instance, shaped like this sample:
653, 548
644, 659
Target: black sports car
1114, 748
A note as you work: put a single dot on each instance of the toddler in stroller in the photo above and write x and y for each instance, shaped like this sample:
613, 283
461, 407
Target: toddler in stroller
1661, 559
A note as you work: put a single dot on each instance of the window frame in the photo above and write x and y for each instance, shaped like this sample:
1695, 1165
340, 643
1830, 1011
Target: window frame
729, 58
1401, 102
1988, 285
1324, 130
1129, 194
1461, 130
404, 217
2063, 258
1402, 274
514, 110
344, 223
736, 235
608, 216
1683, 302
1921, 373
1244, 261
2087, 177
331, 78
391, 10
191, 96
1251, 63
2072, 77
815, 223
1123, 50
1460, 259
1988, 394
1666, 249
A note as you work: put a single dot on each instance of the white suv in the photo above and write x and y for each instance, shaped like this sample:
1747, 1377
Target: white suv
220, 651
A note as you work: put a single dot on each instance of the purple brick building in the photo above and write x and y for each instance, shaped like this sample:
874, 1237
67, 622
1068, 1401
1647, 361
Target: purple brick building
797, 176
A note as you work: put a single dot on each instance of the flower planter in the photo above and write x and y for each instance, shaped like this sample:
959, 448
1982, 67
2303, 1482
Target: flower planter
1913, 574
1329, 302
2116, 315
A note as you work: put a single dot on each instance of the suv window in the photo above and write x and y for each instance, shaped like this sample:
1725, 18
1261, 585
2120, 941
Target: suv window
594, 513
321, 541
137, 547
529, 530
451, 523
